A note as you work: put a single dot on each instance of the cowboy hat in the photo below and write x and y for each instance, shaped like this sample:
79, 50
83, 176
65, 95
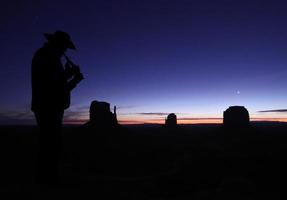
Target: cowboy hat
60, 37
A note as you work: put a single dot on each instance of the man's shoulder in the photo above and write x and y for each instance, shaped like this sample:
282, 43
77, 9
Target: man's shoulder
44, 50
44, 54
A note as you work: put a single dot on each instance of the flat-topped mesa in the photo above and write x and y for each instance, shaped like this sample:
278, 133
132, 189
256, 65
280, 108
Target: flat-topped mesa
101, 116
236, 117
171, 121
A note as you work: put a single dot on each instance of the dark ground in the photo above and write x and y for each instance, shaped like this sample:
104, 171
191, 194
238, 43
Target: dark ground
151, 162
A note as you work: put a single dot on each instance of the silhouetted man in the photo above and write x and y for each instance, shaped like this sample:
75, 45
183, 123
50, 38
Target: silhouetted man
51, 86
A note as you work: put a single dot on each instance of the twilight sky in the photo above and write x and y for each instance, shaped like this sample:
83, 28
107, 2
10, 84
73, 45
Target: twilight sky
152, 57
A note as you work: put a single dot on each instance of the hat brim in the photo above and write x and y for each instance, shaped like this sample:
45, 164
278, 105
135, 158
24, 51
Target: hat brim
69, 44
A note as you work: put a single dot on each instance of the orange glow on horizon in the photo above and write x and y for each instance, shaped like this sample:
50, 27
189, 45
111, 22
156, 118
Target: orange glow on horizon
130, 121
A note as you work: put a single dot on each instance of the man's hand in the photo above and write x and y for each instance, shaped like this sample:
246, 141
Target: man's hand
72, 69
78, 77
76, 69
69, 72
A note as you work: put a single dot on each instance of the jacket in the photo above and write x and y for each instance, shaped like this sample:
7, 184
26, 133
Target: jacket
50, 81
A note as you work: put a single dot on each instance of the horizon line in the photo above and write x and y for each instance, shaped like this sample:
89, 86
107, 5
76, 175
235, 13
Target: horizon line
196, 120
183, 121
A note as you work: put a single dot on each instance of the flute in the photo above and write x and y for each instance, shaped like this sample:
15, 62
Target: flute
74, 69
70, 62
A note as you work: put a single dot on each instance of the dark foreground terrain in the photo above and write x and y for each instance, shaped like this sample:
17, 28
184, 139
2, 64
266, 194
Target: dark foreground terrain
152, 162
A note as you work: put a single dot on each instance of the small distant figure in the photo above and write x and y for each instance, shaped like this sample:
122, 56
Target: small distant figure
171, 121
51, 87
236, 117
101, 116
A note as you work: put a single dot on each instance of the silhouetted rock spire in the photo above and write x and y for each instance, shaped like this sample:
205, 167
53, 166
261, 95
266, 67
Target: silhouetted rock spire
171, 121
236, 117
101, 116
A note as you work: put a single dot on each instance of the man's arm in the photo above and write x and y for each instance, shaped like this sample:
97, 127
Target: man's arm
77, 79
68, 72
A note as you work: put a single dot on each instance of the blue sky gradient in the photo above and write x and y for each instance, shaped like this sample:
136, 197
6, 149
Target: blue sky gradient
194, 58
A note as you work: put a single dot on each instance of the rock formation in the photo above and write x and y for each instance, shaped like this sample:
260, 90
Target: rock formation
171, 121
101, 116
236, 117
